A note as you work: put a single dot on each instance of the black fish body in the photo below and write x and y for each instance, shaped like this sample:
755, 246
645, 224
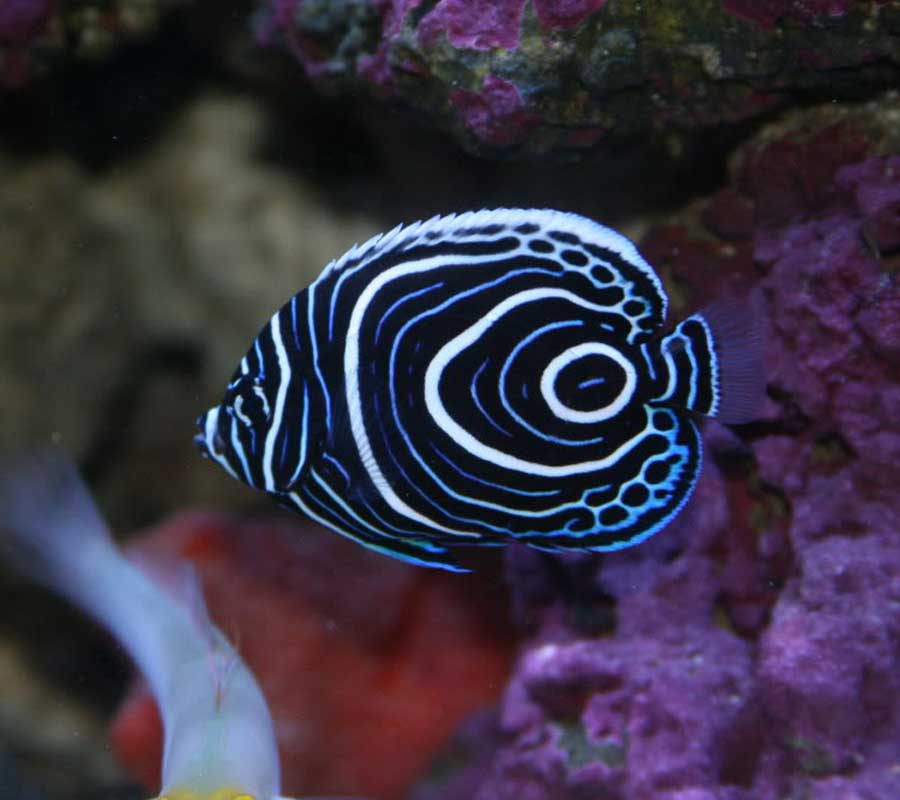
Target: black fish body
484, 378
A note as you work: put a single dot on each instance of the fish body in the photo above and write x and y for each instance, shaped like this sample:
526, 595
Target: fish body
219, 740
484, 378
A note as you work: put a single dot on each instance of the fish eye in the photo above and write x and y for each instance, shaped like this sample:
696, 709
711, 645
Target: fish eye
248, 403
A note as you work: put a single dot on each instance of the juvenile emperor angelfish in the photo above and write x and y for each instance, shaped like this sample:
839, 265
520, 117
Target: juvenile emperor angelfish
485, 378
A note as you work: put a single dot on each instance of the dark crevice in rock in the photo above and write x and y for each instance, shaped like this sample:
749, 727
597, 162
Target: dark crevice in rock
830, 454
742, 747
102, 113
792, 421
417, 14
590, 610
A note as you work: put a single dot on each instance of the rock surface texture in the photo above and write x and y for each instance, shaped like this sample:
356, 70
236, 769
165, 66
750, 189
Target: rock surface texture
531, 76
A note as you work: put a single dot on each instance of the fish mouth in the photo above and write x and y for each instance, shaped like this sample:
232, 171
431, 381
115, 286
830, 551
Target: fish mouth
200, 444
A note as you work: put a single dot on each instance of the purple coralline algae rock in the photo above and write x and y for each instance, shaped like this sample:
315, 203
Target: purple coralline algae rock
496, 25
666, 707
584, 69
497, 114
751, 651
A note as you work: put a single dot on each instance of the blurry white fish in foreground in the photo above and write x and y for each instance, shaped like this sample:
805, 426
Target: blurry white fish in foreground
219, 739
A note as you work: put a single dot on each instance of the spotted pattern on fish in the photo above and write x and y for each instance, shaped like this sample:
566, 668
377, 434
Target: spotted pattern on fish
483, 378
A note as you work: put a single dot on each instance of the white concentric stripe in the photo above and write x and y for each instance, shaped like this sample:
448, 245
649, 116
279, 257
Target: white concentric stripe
238, 449
304, 435
284, 377
550, 374
465, 439
238, 406
695, 375
209, 434
688, 348
670, 368
649, 361
510, 408
713, 362
314, 348
261, 394
308, 511
351, 373
350, 514
346, 507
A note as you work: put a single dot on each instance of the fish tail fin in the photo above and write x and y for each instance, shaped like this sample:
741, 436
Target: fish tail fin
50, 529
713, 361
737, 331
178, 579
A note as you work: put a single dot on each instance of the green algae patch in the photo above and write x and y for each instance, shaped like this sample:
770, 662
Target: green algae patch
581, 751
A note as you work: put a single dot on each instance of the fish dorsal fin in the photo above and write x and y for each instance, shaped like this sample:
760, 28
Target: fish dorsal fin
617, 254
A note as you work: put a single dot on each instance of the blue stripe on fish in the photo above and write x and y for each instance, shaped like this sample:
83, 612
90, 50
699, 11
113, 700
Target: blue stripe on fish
489, 377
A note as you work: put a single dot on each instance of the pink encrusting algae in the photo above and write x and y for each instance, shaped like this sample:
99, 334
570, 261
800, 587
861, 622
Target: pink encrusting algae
608, 69
497, 114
